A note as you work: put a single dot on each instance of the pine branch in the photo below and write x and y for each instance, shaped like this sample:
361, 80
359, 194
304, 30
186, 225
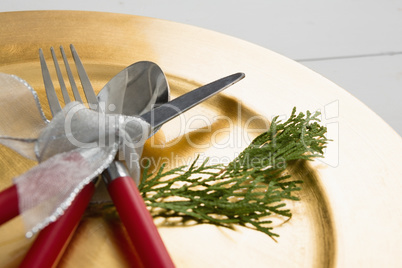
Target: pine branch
249, 191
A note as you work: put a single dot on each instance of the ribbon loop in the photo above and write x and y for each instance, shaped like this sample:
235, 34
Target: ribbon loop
72, 149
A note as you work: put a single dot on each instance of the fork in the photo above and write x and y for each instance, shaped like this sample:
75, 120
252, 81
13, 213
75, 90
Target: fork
51, 241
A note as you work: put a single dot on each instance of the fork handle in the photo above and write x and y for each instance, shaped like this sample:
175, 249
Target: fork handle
51, 242
138, 221
9, 204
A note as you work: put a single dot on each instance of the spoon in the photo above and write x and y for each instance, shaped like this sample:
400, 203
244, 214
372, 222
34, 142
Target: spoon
134, 91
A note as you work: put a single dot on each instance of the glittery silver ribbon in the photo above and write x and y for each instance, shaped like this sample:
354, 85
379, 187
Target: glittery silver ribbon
72, 149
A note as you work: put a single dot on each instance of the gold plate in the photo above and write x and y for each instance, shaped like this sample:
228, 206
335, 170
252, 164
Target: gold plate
350, 212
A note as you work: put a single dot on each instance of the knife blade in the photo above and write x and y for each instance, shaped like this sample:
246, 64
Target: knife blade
162, 114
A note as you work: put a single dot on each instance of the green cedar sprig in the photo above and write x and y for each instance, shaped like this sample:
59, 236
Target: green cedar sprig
248, 191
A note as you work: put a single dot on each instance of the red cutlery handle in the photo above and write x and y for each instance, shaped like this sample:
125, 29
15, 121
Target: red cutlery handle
139, 223
51, 242
9, 204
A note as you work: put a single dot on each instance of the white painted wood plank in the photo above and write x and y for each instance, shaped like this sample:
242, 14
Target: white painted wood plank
298, 29
376, 81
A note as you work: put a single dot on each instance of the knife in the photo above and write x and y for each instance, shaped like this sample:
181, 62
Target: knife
167, 111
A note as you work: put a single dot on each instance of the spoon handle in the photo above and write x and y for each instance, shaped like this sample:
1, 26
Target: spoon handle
136, 218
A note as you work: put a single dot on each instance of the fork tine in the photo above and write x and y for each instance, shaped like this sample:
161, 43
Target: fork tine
70, 76
86, 84
54, 103
50, 91
63, 88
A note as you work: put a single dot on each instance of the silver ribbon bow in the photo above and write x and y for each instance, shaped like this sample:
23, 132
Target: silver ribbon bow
72, 149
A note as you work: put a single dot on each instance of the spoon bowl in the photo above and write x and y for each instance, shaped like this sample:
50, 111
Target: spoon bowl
136, 90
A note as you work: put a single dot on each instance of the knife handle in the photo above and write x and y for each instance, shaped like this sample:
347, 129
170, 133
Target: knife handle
9, 204
51, 242
138, 222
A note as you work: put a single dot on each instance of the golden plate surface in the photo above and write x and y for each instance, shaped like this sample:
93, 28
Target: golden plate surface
349, 215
